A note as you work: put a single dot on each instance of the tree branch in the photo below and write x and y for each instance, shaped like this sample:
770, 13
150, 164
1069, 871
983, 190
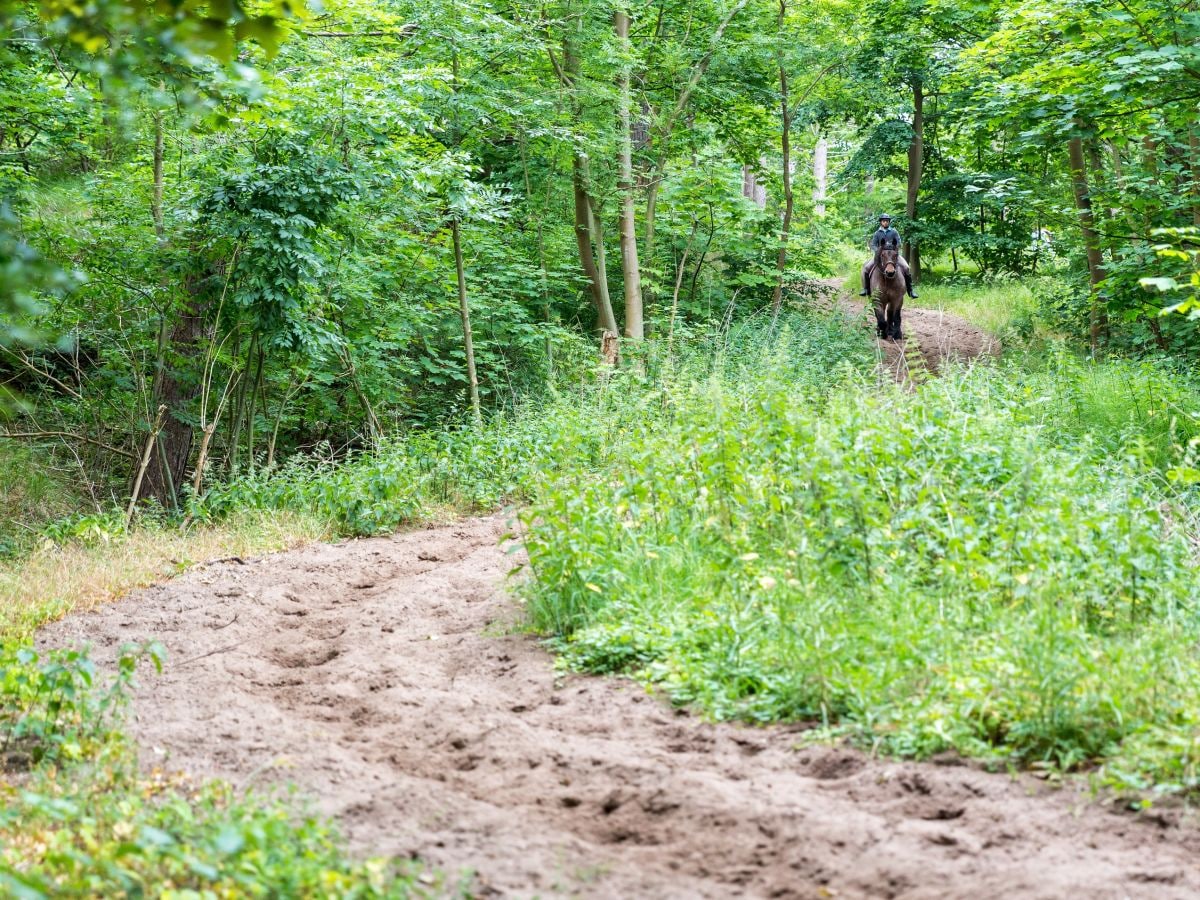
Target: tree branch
401, 33
83, 439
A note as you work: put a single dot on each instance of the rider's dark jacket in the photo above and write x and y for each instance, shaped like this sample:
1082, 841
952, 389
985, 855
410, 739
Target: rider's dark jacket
885, 237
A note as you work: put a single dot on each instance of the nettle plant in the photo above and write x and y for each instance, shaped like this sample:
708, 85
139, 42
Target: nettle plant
51, 708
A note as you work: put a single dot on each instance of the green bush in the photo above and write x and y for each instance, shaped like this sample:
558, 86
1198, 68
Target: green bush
51, 710
120, 835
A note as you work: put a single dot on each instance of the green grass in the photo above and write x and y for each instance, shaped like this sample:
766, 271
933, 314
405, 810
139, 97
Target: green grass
998, 564
34, 491
1001, 563
1005, 309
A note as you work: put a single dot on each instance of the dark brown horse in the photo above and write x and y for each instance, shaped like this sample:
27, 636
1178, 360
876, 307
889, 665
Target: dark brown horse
887, 292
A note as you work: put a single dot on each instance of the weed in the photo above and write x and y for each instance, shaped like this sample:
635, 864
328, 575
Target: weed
966, 566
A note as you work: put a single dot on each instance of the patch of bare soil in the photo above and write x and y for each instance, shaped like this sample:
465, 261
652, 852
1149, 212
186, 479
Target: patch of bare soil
932, 337
382, 677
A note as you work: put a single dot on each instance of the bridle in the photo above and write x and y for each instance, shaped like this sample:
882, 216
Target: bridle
895, 265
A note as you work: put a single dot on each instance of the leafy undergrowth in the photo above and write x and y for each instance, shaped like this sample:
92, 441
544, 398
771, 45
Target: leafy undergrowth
1001, 563
78, 818
430, 475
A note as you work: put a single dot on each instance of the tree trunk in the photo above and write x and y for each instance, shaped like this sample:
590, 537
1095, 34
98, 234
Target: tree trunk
176, 388
596, 229
916, 157
868, 193
1083, 203
605, 320
630, 272
156, 199
464, 312
785, 119
597, 279
752, 189
820, 175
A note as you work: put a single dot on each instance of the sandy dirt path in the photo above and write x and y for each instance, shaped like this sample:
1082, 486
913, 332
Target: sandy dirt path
384, 679
932, 337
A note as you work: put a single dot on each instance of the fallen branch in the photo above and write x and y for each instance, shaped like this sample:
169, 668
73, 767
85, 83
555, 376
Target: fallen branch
193, 659
83, 439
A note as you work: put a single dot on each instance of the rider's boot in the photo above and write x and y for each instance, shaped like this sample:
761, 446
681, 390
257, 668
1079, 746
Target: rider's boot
908, 285
866, 285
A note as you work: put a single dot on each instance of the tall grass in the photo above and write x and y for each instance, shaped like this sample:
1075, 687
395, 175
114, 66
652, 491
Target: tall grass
431, 475
1004, 308
34, 490
994, 564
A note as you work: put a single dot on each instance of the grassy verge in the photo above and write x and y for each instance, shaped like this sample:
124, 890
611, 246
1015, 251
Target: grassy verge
1005, 309
101, 562
1002, 563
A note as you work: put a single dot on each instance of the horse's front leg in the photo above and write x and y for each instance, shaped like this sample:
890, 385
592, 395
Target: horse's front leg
897, 334
881, 320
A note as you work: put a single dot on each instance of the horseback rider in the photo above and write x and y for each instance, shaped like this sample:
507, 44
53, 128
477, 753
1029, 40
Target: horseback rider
886, 236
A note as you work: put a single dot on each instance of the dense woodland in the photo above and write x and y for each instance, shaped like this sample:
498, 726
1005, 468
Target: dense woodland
273, 271
384, 215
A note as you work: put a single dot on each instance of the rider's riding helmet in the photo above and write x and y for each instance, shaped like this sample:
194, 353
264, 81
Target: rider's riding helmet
885, 218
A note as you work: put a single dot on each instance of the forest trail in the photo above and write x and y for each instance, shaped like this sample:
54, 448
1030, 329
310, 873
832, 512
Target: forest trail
932, 336
384, 678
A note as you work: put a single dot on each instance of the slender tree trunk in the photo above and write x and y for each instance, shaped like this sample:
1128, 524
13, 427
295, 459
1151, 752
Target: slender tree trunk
156, 199
605, 320
464, 312
1083, 203
1118, 167
596, 229
785, 120
597, 279
630, 271
256, 387
749, 182
752, 188
868, 193
916, 157
144, 464
820, 175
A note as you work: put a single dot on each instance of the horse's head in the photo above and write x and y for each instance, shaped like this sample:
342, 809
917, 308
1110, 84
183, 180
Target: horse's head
889, 261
